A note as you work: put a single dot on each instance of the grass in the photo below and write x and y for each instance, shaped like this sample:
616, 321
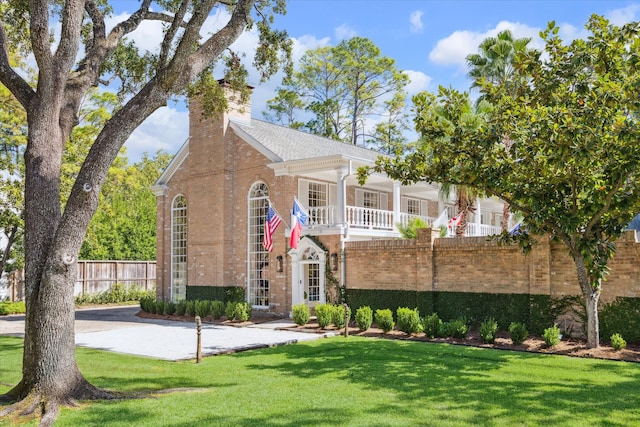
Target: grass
354, 382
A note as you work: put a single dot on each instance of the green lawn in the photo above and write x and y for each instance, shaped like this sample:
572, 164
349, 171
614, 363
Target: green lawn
355, 382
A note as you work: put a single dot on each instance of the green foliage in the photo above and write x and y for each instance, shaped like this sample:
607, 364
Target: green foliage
230, 310
431, 325
488, 330
408, 320
518, 333
7, 307
117, 293
364, 317
242, 311
159, 307
384, 319
551, 336
621, 315
191, 309
457, 328
170, 308
217, 309
617, 342
324, 315
181, 307
341, 86
213, 293
410, 230
203, 308
301, 314
338, 314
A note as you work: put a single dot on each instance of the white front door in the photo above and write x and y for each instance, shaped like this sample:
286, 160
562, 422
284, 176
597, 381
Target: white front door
307, 274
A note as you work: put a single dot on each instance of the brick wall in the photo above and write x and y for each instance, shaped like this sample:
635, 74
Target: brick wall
474, 264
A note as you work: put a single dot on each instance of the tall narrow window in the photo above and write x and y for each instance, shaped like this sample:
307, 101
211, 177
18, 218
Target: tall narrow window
257, 255
179, 248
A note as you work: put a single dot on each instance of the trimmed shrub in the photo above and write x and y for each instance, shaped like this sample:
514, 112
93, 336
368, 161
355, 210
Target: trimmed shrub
617, 342
384, 319
242, 312
203, 307
217, 309
456, 329
12, 307
145, 304
159, 307
181, 307
488, 330
364, 317
408, 320
338, 315
169, 307
301, 314
324, 315
621, 316
213, 293
191, 308
551, 335
431, 325
230, 310
518, 333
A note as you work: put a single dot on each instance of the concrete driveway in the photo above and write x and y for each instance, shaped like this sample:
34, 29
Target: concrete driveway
118, 329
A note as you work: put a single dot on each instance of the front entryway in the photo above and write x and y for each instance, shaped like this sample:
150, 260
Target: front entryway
307, 273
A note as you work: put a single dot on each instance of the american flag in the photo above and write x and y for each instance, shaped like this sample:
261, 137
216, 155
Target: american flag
272, 222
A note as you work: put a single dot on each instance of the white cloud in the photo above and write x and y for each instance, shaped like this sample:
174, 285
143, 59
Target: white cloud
344, 32
419, 81
166, 129
415, 20
624, 15
454, 49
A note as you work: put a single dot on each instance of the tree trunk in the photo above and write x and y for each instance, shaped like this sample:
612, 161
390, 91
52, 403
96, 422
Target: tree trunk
591, 294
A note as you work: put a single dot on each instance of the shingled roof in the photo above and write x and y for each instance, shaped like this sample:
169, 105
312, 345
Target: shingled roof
286, 144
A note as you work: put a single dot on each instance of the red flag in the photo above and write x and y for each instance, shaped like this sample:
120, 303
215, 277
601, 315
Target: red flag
272, 222
298, 218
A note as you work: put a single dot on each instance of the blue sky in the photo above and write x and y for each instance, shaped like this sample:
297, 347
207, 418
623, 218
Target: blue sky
428, 39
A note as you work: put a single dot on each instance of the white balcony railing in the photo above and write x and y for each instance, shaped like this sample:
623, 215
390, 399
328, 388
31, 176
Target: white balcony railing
381, 220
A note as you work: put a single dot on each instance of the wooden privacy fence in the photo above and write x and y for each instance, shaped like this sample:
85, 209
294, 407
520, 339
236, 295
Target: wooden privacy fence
93, 277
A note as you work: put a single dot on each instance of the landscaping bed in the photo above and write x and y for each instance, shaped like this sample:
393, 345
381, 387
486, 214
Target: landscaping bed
535, 344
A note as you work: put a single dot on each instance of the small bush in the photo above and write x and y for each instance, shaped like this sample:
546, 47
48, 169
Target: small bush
488, 330
338, 315
456, 329
408, 320
518, 332
364, 317
217, 309
431, 325
301, 314
384, 319
242, 312
169, 307
230, 310
181, 307
159, 307
191, 308
203, 307
145, 304
617, 342
551, 335
324, 315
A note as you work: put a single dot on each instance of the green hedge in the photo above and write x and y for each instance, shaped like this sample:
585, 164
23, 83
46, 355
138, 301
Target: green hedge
621, 316
537, 312
215, 293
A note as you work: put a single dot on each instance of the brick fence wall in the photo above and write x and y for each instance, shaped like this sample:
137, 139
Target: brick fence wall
475, 264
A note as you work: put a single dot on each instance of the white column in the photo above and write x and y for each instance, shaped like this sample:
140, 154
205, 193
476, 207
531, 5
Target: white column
342, 173
396, 202
478, 216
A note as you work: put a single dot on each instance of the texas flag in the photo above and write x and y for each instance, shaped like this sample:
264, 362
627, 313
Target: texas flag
298, 218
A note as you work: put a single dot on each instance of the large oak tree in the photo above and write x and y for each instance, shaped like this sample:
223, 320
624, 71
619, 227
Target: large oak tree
571, 169
83, 56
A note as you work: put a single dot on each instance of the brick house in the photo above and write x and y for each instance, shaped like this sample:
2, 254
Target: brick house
213, 196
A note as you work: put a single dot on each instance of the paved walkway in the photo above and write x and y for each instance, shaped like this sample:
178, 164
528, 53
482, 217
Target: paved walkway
118, 329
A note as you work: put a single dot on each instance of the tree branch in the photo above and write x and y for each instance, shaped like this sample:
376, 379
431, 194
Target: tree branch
176, 24
8, 76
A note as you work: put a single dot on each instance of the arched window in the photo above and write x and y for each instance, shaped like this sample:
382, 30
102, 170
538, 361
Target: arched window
257, 255
179, 248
